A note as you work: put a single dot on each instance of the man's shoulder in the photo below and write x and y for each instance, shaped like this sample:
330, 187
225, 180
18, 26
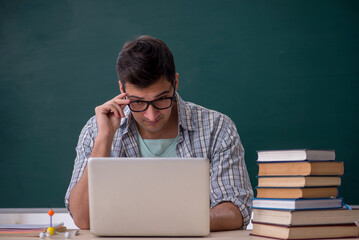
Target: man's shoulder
200, 111
90, 128
199, 116
91, 123
208, 124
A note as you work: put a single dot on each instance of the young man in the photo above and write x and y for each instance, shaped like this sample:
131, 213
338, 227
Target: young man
149, 119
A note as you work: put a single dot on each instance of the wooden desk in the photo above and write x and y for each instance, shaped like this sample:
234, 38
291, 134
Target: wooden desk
225, 235
228, 235
86, 234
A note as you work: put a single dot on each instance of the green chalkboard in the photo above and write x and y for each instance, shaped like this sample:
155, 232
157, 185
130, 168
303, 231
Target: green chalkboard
286, 72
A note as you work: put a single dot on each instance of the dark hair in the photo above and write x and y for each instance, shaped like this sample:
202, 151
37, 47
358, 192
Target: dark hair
144, 61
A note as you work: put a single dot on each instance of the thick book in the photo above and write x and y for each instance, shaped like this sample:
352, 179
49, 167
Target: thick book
296, 155
305, 217
299, 181
297, 204
305, 232
27, 230
301, 169
21, 232
312, 192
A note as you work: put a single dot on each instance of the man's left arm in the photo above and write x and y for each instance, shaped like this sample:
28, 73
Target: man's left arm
231, 190
225, 216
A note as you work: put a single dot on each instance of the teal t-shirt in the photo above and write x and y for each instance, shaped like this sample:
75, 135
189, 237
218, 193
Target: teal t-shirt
157, 147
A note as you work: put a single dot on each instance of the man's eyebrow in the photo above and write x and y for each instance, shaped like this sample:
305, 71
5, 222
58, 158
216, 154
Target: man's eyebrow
158, 95
164, 92
132, 96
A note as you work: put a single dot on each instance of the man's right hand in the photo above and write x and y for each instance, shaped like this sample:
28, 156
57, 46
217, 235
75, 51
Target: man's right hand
108, 117
109, 114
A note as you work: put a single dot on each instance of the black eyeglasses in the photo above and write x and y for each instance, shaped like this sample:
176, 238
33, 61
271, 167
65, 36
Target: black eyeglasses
160, 104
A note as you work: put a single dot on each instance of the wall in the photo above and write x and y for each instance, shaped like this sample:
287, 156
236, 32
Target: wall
286, 72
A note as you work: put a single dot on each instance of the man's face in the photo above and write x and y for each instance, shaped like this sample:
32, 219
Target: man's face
151, 120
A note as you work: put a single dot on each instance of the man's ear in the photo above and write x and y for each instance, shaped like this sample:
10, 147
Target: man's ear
122, 89
176, 81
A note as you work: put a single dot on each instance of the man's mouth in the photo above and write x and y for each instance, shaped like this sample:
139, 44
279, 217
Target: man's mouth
153, 122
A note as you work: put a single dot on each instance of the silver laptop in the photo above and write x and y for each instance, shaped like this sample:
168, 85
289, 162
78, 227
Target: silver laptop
149, 196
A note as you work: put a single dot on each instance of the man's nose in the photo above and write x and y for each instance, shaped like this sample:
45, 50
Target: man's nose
151, 113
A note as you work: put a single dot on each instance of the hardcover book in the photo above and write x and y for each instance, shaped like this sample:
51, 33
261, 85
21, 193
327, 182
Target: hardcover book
27, 230
305, 217
298, 181
301, 169
297, 204
296, 155
305, 232
312, 192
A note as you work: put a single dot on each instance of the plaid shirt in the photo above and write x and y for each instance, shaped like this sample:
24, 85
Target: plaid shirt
202, 133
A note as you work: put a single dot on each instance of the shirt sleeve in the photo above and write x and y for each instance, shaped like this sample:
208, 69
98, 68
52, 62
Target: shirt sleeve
229, 180
83, 152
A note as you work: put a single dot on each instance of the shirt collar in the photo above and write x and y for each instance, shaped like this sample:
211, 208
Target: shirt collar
184, 114
127, 121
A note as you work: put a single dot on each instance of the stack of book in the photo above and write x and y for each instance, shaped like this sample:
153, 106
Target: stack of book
297, 196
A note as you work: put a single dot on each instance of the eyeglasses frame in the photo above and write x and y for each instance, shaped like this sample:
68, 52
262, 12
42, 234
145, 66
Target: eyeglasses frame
173, 98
